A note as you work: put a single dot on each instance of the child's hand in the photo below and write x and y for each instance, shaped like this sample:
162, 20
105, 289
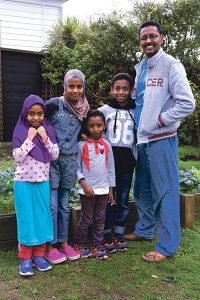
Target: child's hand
42, 132
31, 133
111, 199
88, 190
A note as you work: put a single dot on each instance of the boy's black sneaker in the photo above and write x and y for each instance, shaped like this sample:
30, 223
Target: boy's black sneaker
120, 244
109, 245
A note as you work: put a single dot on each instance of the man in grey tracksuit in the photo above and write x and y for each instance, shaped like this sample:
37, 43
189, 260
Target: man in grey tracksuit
163, 98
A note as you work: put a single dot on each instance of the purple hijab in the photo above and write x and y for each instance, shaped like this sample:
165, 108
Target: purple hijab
39, 152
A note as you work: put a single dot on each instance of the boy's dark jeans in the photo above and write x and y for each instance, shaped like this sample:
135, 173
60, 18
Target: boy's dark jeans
92, 214
120, 210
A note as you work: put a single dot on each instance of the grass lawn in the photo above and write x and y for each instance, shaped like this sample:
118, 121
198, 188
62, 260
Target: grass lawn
125, 276
188, 157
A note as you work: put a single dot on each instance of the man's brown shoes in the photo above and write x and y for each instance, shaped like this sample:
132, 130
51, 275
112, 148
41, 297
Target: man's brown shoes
135, 238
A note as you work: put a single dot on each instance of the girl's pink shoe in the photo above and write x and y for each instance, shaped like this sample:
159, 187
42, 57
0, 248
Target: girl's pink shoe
70, 253
55, 256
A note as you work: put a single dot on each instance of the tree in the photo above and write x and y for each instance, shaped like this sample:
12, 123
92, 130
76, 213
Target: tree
100, 50
57, 53
107, 47
180, 23
110, 45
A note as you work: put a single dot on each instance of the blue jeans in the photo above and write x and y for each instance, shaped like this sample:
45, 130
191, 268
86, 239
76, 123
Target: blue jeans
63, 172
120, 210
59, 204
156, 193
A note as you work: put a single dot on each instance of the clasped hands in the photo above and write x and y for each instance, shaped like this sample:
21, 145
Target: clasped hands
32, 132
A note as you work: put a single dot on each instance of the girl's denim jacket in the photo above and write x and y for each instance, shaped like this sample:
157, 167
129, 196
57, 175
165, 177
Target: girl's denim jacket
65, 123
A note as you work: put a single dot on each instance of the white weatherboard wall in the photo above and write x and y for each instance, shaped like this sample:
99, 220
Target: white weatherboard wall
24, 25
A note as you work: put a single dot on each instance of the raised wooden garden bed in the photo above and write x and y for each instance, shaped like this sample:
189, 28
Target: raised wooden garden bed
190, 209
8, 232
190, 213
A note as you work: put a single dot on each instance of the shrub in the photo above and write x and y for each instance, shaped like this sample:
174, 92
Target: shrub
189, 132
188, 151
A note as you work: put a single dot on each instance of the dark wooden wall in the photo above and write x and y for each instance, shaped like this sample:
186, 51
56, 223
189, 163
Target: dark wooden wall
1, 102
21, 76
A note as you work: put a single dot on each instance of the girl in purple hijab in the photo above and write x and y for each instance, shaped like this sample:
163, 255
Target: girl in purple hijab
39, 152
34, 146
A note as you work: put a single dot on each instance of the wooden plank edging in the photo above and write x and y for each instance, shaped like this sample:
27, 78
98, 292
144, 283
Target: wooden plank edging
189, 213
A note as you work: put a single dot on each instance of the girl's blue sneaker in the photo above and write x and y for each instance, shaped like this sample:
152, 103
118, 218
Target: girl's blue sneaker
41, 264
25, 267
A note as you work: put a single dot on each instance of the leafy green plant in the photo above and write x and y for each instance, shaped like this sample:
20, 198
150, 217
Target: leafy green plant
6, 181
6, 191
74, 196
6, 163
189, 180
7, 204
